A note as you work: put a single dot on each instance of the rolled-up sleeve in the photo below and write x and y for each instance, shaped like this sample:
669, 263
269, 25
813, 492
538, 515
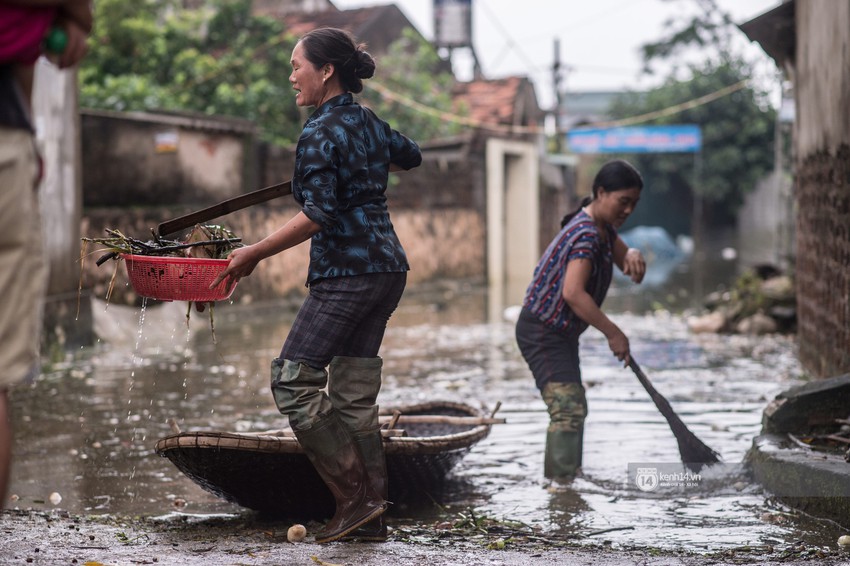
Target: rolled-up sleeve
404, 152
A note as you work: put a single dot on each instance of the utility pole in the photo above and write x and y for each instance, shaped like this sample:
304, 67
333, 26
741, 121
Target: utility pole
556, 84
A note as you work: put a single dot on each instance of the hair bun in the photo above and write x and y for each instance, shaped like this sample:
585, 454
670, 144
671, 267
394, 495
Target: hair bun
364, 65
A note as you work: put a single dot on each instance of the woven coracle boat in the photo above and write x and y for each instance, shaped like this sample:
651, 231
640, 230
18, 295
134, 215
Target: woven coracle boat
269, 472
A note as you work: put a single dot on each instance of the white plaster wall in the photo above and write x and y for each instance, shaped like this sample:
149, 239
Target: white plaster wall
513, 219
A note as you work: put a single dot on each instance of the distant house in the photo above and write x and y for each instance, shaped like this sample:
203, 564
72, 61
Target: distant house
376, 26
506, 106
281, 8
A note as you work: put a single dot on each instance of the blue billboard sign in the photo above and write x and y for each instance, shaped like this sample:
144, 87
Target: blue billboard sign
682, 138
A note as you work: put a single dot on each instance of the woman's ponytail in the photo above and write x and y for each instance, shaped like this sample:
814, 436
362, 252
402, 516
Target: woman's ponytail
584, 202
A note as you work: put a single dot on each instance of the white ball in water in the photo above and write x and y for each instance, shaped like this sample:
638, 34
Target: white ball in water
844, 541
55, 498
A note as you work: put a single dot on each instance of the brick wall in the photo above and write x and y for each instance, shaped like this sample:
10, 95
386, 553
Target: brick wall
823, 261
822, 147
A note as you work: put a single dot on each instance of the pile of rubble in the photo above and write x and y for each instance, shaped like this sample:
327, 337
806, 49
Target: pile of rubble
762, 301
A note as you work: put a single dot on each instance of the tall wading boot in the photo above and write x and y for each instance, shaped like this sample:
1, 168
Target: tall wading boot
567, 405
298, 392
353, 390
325, 438
371, 446
335, 456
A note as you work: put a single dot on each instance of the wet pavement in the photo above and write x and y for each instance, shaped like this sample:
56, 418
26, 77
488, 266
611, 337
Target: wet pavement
86, 429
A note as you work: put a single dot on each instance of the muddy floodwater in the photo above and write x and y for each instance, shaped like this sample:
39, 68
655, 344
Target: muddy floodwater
86, 429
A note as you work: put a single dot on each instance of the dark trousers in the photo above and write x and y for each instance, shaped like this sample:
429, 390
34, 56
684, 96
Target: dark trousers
552, 356
344, 316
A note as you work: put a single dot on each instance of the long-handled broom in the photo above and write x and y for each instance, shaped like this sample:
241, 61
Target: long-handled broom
695, 454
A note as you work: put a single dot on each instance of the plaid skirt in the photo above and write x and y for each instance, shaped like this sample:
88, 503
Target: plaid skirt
344, 316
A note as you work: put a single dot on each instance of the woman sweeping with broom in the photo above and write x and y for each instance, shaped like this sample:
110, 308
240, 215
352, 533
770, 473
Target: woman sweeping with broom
356, 277
564, 298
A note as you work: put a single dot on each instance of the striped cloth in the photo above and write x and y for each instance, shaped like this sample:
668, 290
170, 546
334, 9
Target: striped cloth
579, 239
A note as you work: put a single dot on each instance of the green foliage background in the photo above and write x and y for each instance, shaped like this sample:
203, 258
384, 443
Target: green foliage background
412, 67
219, 59
153, 55
737, 129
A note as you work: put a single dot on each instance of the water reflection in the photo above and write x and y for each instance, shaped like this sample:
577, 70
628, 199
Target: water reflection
87, 428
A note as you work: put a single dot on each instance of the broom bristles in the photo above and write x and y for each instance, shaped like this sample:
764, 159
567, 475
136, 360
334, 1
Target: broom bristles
694, 452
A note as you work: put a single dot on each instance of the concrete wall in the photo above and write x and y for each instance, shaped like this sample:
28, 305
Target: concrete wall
438, 209
152, 159
765, 221
822, 137
447, 245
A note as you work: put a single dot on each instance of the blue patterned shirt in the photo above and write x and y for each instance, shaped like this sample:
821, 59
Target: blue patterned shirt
342, 165
579, 239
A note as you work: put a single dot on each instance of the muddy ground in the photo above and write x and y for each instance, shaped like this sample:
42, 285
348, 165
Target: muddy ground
40, 537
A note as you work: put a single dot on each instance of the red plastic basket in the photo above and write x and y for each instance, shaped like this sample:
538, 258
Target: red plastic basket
169, 278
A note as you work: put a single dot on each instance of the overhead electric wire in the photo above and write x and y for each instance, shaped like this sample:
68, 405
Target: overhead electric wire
509, 41
517, 129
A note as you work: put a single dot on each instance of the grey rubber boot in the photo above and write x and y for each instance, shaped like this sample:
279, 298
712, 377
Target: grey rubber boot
567, 405
353, 389
298, 392
335, 455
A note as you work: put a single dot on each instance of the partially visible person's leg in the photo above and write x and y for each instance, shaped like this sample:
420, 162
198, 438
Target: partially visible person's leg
345, 317
332, 316
354, 384
554, 363
355, 373
567, 407
5, 445
22, 279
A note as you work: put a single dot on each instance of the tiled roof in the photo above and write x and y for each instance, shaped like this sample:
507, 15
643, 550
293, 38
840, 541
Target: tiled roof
494, 101
376, 26
352, 20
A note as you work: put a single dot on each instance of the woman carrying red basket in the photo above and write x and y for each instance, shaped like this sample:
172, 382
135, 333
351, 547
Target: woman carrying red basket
357, 274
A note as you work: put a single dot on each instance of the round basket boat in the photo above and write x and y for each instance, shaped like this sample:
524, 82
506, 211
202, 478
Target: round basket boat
168, 278
270, 473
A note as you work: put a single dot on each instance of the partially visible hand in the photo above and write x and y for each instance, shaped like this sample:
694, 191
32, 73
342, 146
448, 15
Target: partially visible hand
634, 265
242, 264
619, 344
76, 47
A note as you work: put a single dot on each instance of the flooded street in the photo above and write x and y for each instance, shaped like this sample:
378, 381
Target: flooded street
87, 428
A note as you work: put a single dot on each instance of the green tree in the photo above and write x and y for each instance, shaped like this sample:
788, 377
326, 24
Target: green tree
413, 69
216, 59
737, 129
